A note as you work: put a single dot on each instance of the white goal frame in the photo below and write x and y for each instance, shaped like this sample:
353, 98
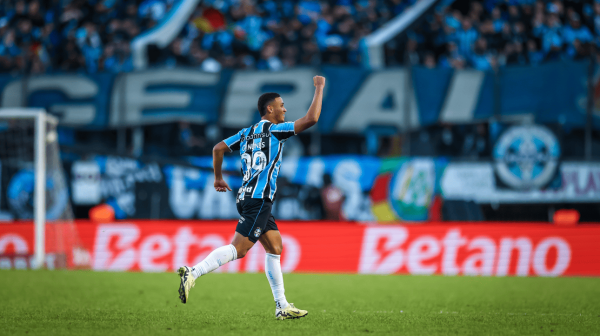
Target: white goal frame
40, 118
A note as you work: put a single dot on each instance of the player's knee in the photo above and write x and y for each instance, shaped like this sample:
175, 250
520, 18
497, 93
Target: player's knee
276, 250
241, 253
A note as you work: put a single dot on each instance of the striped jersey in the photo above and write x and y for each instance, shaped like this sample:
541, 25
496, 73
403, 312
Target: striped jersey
260, 148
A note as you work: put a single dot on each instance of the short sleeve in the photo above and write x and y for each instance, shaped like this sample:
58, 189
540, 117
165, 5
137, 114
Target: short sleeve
233, 142
283, 131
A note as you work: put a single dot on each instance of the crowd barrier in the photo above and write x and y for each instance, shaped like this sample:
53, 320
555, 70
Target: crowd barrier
486, 249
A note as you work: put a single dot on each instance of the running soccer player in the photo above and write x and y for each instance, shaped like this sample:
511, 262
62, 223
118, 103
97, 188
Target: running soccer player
260, 148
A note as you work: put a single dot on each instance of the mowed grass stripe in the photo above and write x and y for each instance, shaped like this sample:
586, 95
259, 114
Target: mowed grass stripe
100, 303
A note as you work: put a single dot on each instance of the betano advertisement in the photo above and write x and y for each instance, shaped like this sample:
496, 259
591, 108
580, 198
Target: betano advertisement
335, 247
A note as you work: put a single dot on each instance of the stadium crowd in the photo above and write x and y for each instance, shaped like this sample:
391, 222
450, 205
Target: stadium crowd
78, 35
275, 35
93, 36
491, 33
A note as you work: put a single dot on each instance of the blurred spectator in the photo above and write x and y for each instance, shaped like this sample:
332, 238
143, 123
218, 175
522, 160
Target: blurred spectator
481, 58
452, 58
534, 55
448, 144
475, 143
465, 37
188, 141
429, 61
268, 57
118, 58
332, 198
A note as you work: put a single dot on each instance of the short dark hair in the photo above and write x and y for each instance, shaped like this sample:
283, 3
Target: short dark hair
264, 100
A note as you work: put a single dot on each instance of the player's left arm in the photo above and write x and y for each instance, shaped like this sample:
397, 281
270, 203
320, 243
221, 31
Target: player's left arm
314, 111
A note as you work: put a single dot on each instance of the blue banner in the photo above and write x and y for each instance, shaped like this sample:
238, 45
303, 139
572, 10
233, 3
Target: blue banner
355, 98
362, 188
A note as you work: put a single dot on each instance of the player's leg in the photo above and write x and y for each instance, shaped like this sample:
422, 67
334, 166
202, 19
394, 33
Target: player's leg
254, 216
271, 241
217, 258
222, 255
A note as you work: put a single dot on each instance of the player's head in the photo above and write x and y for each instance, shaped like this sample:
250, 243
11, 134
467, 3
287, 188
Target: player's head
270, 107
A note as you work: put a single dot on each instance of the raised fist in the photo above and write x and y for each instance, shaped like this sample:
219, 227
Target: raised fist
319, 80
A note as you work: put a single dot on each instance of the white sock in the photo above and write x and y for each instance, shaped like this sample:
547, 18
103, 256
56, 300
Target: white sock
214, 260
273, 272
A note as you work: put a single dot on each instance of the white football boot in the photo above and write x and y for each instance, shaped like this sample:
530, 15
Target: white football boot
187, 282
289, 312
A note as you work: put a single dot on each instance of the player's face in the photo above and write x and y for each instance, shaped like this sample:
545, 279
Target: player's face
278, 110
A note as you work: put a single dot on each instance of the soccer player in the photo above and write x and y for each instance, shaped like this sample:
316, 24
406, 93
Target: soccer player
260, 148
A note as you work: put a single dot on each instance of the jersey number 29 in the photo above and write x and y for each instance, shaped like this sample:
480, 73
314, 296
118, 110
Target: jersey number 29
258, 162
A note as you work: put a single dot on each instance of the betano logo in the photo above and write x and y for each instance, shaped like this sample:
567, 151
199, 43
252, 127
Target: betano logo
388, 250
124, 247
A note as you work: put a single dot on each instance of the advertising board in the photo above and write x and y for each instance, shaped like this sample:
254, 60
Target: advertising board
481, 249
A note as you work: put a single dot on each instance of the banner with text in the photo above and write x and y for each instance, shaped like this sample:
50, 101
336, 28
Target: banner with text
553, 93
474, 181
367, 188
458, 249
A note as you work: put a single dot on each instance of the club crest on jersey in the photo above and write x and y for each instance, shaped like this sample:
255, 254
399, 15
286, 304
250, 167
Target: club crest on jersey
257, 232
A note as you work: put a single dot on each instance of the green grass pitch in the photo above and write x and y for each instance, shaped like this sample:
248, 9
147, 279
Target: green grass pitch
101, 303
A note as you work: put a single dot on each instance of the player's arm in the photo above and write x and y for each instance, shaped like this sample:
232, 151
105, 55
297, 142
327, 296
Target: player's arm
314, 111
218, 153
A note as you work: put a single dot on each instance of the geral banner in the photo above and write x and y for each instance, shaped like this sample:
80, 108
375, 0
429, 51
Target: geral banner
170, 95
457, 249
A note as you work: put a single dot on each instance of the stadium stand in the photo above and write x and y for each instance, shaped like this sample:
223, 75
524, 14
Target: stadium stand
94, 36
90, 36
487, 34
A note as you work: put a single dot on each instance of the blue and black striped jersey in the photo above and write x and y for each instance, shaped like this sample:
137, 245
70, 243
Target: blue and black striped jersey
260, 148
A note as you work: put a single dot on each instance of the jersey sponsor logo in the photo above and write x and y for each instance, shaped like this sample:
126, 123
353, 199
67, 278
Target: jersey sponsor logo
258, 135
245, 189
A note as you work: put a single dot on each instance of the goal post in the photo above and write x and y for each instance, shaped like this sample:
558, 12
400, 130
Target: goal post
36, 187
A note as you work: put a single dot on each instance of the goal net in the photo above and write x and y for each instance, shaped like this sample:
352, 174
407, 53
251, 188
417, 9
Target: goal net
33, 188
